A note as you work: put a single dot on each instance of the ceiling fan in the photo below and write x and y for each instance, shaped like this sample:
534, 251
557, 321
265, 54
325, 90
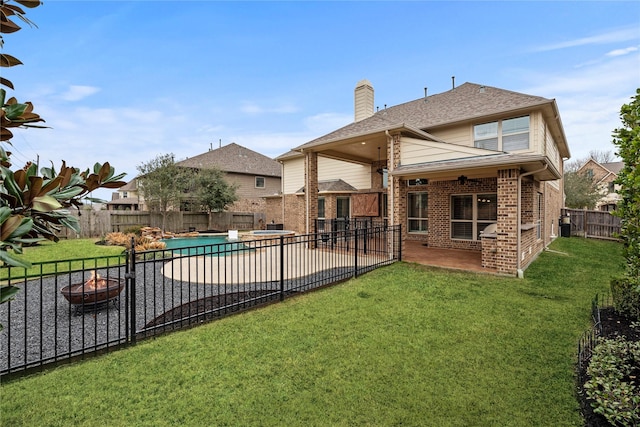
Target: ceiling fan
463, 180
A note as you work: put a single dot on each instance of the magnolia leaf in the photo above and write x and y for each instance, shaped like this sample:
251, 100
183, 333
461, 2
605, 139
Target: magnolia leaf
6, 83
5, 213
114, 184
45, 203
9, 26
14, 111
5, 134
8, 60
10, 184
25, 226
20, 176
9, 226
68, 193
13, 261
29, 3
8, 292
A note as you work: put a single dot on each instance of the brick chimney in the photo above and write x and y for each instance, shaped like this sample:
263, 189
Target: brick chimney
363, 100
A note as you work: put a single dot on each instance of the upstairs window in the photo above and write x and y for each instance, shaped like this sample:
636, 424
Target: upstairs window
259, 182
504, 135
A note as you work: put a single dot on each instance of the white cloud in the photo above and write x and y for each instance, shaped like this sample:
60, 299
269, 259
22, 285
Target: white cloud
620, 52
589, 99
614, 36
321, 124
76, 93
250, 107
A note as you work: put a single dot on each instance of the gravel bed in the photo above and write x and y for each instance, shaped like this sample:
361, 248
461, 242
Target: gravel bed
40, 326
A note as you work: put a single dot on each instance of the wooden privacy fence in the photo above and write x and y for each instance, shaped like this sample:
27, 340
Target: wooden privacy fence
593, 224
98, 223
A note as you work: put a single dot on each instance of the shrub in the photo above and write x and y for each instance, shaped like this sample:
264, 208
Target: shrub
626, 297
612, 386
136, 229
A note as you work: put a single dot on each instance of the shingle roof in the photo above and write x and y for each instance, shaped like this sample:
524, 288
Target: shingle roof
465, 102
614, 167
332, 186
234, 158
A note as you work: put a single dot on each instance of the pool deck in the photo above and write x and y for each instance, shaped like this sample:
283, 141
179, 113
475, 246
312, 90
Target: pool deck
249, 267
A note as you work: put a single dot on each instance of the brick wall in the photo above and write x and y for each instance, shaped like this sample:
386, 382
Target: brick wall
440, 210
506, 240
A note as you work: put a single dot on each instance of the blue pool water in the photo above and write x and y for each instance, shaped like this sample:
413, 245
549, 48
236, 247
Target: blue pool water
203, 245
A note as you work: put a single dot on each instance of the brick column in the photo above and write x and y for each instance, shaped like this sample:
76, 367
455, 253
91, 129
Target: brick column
396, 195
507, 227
311, 190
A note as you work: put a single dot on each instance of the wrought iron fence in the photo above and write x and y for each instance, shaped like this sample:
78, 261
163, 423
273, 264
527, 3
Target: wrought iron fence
76, 308
590, 338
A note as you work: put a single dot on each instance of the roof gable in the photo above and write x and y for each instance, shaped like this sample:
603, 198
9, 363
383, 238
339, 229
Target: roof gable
234, 158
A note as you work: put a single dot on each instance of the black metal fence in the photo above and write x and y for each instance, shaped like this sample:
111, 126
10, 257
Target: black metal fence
76, 308
590, 338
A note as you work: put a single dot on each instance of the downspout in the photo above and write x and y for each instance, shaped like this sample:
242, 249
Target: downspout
519, 271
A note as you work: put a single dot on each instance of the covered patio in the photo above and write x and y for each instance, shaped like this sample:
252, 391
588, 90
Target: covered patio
457, 259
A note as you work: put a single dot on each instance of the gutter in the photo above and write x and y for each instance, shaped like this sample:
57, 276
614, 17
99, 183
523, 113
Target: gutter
519, 271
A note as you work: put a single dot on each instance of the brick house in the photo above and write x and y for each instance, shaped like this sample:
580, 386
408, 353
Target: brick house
255, 175
604, 175
446, 167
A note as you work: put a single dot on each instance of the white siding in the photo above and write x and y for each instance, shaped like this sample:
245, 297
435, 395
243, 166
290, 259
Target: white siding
460, 135
292, 175
355, 174
415, 151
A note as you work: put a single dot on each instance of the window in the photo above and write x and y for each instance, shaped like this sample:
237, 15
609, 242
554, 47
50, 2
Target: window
384, 206
503, 135
342, 207
259, 182
471, 214
320, 207
418, 212
611, 187
125, 194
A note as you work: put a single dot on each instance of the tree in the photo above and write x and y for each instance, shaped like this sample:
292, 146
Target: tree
163, 184
580, 190
34, 203
211, 192
627, 139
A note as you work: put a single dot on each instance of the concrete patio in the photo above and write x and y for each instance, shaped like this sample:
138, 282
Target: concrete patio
457, 259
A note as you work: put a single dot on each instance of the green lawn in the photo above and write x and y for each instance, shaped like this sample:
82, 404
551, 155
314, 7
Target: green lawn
47, 252
402, 345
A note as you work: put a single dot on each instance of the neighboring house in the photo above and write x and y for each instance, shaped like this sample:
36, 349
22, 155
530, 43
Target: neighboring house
445, 167
604, 175
126, 198
255, 175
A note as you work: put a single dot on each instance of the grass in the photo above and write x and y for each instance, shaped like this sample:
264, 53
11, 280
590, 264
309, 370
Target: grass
51, 253
402, 345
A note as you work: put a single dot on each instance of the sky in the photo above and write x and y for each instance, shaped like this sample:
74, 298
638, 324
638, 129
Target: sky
126, 81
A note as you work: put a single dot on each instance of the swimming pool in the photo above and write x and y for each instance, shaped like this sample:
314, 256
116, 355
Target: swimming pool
203, 245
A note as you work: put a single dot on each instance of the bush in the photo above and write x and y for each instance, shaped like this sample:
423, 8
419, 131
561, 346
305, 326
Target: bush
626, 297
612, 386
136, 229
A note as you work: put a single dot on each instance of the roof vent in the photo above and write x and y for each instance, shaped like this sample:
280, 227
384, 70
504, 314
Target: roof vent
453, 82
425, 94
481, 89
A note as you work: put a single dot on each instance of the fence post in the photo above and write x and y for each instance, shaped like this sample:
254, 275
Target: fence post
281, 268
355, 250
399, 240
131, 291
